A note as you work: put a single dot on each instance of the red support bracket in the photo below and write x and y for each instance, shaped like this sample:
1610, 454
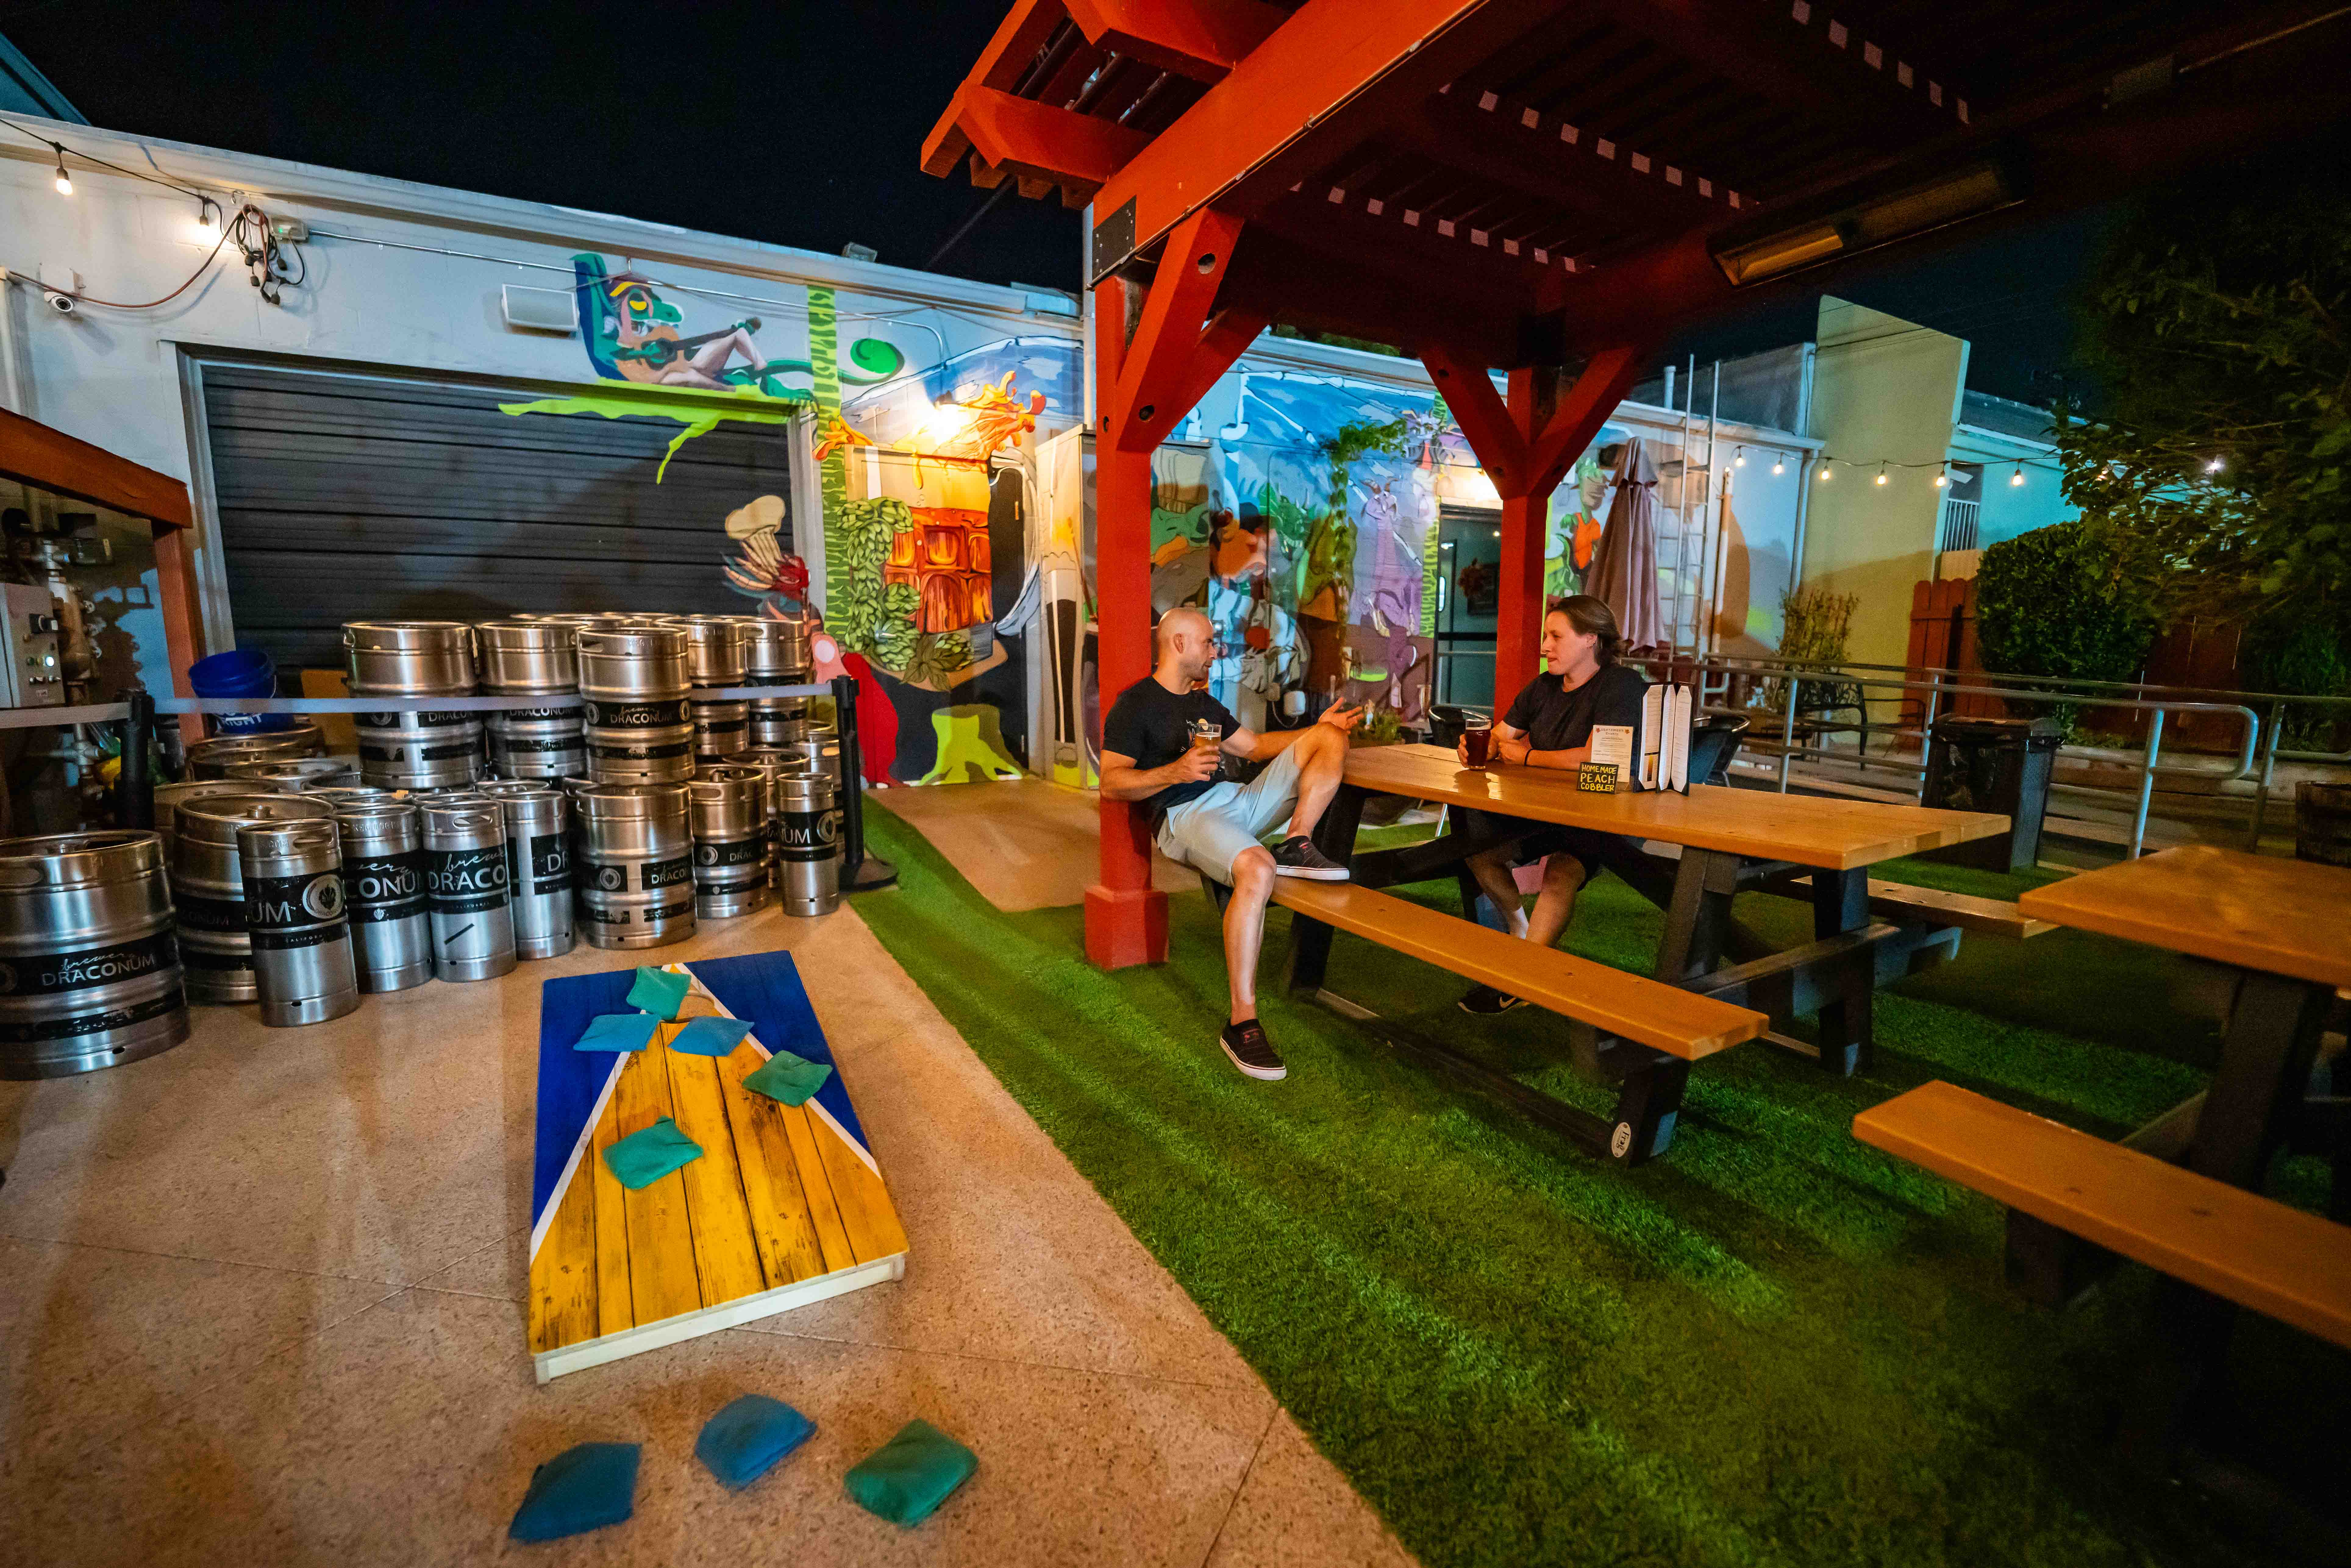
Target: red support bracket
1171, 360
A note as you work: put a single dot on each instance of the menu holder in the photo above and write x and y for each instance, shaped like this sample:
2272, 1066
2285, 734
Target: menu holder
1612, 747
1665, 738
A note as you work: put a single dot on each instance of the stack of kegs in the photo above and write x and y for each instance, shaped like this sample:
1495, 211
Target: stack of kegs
298, 775
634, 863
777, 653
533, 659
89, 967
633, 676
421, 750
714, 650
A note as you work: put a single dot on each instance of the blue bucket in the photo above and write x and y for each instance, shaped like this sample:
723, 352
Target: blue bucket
240, 673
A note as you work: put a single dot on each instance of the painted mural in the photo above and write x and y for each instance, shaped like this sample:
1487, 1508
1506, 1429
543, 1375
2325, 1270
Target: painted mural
925, 460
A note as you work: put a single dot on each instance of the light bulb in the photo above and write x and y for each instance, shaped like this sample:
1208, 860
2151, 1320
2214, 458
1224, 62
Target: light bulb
2213, 466
1825, 475
1779, 465
207, 219
1740, 461
2017, 477
1942, 475
65, 180
1881, 473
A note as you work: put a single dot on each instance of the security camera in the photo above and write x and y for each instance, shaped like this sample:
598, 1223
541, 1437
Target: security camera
63, 304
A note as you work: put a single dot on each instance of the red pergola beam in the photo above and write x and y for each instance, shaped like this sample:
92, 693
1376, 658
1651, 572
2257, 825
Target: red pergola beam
1320, 86
1201, 40
1024, 31
1060, 146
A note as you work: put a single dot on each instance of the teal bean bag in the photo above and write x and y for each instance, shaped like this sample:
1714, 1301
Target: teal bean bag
749, 1438
658, 992
644, 1157
906, 1478
788, 1079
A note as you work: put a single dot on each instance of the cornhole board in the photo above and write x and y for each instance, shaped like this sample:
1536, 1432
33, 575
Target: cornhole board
785, 1207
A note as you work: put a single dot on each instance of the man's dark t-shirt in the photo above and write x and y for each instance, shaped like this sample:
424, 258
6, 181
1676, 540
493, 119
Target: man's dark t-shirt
1555, 719
1153, 725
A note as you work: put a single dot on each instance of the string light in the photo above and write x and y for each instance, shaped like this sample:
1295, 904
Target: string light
1740, 461
65, 180
1881, 473
1825, 474
207, 215
1779, 464
1942, 475
2017, 478
2214, 465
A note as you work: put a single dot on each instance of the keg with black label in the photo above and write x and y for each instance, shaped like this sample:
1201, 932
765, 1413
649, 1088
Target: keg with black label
634, 865
807, 827
208, 887
776, 653
384, 889
90, 965
633, 684
424, 748
299, 775
466, 892
303, 970
729, 816
527, 659
212, 758
539, 864
714, 658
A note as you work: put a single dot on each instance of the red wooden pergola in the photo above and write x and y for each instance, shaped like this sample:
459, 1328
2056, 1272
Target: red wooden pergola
1548, 190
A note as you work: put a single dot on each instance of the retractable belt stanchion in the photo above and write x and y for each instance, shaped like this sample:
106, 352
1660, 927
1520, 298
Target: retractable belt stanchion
859, 870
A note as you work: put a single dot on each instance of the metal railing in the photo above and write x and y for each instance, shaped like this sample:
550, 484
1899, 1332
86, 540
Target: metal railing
2260, 745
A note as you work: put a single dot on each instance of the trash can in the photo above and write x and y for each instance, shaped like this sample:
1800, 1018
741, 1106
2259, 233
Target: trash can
1992, 765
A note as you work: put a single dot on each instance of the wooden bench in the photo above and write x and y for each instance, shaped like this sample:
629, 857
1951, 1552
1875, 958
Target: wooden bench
1662, 1029
2225, 1240
1926, 905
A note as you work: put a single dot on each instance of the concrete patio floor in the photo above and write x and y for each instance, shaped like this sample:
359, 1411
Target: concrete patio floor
261, 1301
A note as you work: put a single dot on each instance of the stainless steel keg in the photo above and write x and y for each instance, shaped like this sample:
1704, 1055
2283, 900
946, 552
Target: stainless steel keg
820, 752
89, 967
168, 796
538, 866
633, 856
299, 775
303, 971
383, 886
532, 658
809, 829
212, 758
208, 886
342, 795
635, 682
465, 888
776, 653
729, 816
714, 657
424, 749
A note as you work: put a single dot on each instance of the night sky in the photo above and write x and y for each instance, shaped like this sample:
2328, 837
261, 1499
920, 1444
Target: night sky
801, 125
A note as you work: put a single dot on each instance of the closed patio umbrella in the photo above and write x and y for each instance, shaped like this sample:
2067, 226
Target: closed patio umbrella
1624, 566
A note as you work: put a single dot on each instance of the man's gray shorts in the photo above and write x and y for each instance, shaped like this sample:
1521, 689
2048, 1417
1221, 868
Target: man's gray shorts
1209, 832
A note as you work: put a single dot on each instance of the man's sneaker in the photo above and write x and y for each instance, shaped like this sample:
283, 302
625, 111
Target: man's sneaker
1299, 857
1486, 1001
1251, 1051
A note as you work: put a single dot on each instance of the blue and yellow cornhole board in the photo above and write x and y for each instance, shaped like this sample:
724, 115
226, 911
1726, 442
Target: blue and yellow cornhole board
785, 1207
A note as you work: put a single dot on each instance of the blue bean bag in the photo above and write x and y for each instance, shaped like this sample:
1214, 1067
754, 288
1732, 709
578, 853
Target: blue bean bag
618, 1032
581, 1488
749, 1438
709, 1037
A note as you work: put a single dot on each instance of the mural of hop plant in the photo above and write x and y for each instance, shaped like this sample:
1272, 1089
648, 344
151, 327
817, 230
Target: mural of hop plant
858, 616
762, 566
897, 642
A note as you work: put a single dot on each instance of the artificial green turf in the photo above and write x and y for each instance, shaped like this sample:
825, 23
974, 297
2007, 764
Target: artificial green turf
1774, 1346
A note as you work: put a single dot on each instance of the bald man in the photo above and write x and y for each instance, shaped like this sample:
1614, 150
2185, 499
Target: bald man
1213, 823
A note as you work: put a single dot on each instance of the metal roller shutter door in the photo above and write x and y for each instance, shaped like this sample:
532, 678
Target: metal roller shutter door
347, 497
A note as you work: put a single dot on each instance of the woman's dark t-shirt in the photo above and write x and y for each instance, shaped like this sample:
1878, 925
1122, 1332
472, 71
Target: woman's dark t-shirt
1153, 725
1556, 720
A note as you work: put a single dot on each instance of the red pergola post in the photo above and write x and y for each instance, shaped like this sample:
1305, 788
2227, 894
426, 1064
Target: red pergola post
1526, 443
1147, 376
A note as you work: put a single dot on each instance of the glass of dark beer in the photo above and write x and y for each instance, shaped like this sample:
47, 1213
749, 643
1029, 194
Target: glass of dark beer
1476, 740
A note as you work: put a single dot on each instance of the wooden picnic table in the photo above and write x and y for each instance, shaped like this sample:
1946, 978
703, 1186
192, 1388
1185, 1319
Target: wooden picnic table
1728, 841
2284, 928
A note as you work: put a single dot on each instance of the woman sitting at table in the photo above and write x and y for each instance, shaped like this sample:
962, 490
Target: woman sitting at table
1549, 725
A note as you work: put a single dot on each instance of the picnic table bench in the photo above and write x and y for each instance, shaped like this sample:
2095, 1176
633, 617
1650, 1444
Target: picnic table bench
2183, 1195
1724, 840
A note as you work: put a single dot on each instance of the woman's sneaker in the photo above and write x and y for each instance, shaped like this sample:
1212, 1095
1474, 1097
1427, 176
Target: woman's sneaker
1486, 1001
1251, 1051
1299, 857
